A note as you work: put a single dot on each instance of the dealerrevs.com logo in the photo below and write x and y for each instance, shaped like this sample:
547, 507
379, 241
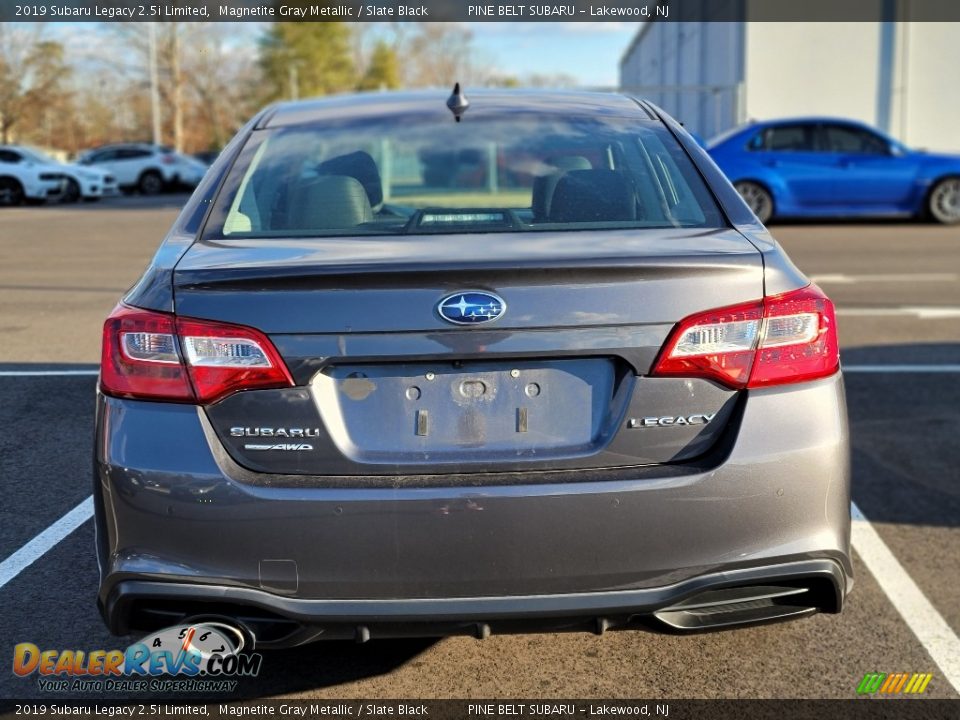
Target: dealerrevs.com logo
201, 657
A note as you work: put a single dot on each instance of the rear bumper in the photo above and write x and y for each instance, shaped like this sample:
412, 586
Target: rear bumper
179, 524
98, 189
276, 621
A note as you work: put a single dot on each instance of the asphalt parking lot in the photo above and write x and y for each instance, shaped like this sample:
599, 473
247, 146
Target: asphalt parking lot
897, 289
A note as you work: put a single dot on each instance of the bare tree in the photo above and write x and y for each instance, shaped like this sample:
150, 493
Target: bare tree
174, 31
437, 55
219, 76
551, 80
135, 66
205, 80
32, 75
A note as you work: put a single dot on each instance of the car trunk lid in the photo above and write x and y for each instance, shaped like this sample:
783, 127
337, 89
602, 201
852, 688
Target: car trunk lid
385, 385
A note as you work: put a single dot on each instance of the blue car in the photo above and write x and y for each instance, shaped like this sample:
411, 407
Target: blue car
827, 167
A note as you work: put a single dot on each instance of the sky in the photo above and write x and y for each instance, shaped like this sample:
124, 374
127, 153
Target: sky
588, 52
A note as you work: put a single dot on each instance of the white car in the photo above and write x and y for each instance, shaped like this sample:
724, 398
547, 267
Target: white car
191, 170
28, 182
80, 182
150, 169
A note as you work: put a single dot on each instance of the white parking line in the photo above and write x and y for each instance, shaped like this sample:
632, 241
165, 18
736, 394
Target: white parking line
45, 541
920, 369
933, 632
844, 279
922, 312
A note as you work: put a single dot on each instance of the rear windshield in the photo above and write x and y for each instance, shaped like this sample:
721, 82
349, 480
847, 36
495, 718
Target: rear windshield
481, 175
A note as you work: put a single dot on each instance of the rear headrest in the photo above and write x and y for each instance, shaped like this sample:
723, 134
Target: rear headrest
329, 202
544, 185
571, 162
593, 196
362, 167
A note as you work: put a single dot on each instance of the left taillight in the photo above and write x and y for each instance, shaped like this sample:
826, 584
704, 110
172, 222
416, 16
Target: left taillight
778, 340
140, 358
156, 356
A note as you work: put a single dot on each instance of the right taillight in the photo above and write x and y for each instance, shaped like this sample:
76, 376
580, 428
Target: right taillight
799, 339
156, 356
781, 339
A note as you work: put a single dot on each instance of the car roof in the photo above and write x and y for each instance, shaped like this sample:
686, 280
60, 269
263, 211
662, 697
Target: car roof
433, 103
812, 119
753, 125
114, 146
22, 148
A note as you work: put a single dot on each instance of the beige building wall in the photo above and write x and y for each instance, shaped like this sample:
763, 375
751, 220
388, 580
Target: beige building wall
827, 68
715, 75
926, 92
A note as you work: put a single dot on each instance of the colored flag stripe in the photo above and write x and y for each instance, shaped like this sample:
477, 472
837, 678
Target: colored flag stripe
912, 683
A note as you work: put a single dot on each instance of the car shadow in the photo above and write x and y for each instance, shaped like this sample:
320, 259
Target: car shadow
903, 427
164, 201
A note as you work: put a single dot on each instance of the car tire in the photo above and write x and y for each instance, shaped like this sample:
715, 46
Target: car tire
150, 183
757, 198
71, 193
11, 192
943, 201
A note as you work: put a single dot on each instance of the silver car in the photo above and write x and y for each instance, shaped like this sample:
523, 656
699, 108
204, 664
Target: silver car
148, 169
417, 365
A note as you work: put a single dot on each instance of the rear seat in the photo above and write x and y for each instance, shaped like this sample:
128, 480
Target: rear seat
545, 185
328, 202
593, 196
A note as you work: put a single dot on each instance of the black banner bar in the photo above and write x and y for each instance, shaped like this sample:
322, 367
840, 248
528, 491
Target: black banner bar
479, 10
527, 709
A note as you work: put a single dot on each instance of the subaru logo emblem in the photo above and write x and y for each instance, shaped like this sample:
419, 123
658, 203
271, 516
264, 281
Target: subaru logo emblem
471, 308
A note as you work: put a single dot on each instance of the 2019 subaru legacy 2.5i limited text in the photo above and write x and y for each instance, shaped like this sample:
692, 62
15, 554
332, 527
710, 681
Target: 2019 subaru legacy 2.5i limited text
536, 369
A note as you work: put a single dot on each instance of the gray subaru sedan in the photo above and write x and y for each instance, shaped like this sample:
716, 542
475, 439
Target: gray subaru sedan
418, 365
